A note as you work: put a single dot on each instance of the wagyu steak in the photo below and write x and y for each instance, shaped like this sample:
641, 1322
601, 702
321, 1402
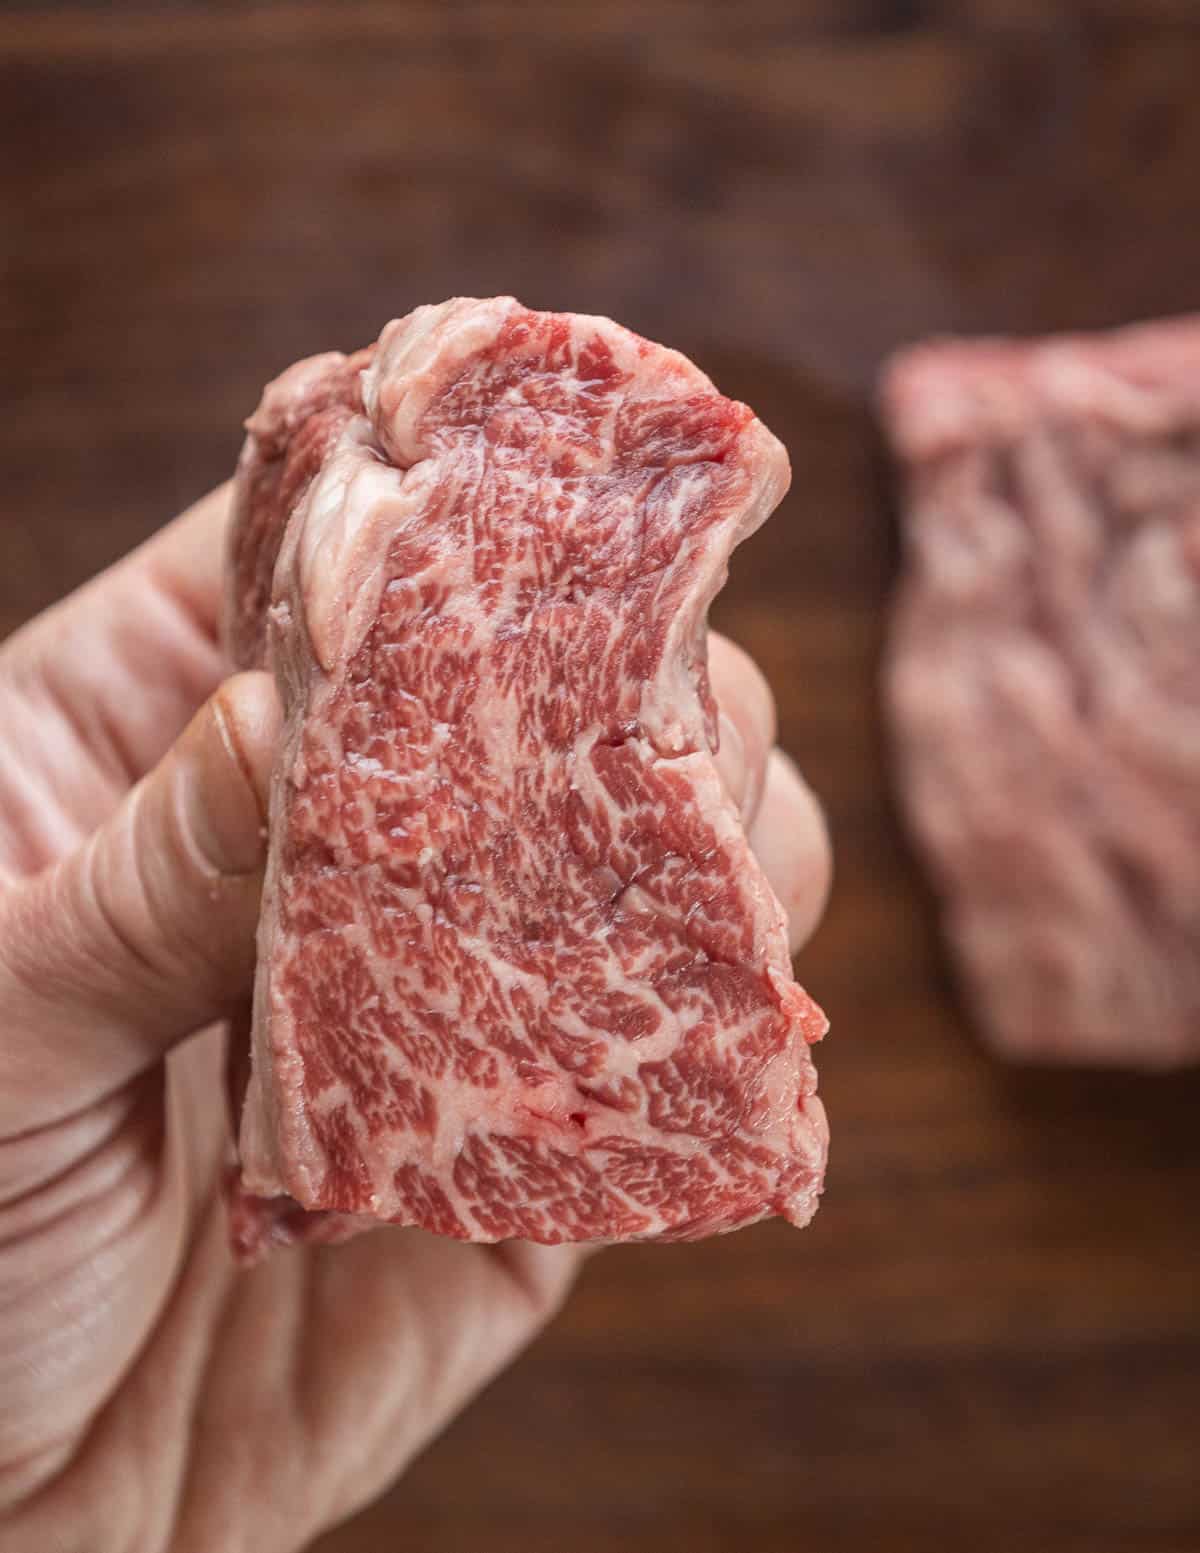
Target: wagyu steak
1043, 680
519, 973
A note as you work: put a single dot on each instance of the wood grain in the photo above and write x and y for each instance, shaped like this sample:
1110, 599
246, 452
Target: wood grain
990, 1339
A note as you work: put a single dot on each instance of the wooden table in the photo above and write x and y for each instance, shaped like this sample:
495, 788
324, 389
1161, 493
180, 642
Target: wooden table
990, 1338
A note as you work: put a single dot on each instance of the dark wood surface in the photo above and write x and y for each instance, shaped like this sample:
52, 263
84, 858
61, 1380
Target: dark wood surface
990, 1338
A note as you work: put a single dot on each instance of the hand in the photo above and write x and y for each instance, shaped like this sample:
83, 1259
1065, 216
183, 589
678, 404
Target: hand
153, 1395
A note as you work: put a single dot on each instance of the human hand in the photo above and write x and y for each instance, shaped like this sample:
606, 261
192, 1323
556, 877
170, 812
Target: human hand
154, 1396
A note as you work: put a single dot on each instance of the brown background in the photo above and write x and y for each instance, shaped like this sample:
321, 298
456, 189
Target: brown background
990, 1339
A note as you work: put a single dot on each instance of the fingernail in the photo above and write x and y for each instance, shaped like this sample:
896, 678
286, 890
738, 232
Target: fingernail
222, 805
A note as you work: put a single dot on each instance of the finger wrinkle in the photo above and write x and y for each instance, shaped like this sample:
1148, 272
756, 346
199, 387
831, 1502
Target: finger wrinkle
230, 736
95, 877
86, 723
38, 1156
185, 559
74, 1185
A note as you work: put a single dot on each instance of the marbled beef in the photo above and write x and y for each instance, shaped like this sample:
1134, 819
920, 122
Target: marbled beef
519, 973
1043, 680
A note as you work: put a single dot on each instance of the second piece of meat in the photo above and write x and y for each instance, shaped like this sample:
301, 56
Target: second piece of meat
1043, 680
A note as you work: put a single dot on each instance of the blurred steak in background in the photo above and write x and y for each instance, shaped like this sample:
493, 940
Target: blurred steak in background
1043, 680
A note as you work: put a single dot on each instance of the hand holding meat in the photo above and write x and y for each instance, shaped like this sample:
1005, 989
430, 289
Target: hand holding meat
153, 1395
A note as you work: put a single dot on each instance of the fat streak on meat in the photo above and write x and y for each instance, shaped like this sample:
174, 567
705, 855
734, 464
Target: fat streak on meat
1043, 680
519, 973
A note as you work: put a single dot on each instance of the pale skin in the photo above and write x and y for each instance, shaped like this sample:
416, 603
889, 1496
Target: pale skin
152, 1397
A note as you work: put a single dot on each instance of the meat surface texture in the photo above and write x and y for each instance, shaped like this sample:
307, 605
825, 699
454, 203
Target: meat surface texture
519, 973
1043, 680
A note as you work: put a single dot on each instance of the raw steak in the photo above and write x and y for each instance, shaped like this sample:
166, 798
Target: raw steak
519, 973
1044, 680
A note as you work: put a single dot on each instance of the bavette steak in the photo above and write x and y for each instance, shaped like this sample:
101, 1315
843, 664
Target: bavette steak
519, 974
1043, 680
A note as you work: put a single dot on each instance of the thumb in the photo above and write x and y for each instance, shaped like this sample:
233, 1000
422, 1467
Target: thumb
146, 932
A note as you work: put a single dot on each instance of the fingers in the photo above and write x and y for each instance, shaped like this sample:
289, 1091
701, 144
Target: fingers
786, 827
746, 709
433, 1322
342, 1362
187, 558
791, 841
146, 931
125, 661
